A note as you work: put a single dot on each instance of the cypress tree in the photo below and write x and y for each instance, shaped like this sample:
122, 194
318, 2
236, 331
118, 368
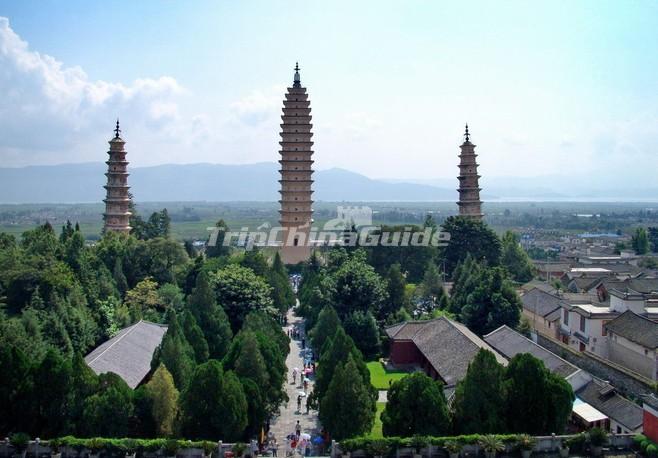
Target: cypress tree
211, 317
195, 337
347, 397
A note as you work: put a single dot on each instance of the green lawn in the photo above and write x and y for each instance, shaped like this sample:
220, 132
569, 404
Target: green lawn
376, 432
380, 377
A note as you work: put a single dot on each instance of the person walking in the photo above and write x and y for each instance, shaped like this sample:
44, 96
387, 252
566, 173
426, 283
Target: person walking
298, 427
294, 375
273, 446
299, 405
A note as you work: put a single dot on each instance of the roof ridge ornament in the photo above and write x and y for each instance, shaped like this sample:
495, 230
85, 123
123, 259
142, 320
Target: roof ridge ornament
467, 136
117, 131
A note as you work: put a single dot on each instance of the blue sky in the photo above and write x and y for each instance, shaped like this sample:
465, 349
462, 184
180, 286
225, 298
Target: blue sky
554, 87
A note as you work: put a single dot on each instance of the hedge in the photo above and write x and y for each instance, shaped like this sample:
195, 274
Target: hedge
130, 445
646, 445
364, 443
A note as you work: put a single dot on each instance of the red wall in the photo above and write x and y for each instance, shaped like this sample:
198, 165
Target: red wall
405, 352
650, 426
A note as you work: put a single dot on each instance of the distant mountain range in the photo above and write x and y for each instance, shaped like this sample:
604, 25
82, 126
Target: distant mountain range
80, 183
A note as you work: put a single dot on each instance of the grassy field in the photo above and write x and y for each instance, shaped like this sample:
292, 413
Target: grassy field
376, 432
380, 377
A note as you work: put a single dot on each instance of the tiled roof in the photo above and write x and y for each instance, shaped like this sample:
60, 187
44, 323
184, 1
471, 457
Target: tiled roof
602, 396
541, 303
447, 345
128, 354
635, 328
510, 343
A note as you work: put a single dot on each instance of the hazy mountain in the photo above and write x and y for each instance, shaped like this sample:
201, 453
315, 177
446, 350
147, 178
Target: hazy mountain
198, 182
259, 182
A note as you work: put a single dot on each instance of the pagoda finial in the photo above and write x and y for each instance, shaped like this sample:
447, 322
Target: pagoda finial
467, 136
117, 131
296, 80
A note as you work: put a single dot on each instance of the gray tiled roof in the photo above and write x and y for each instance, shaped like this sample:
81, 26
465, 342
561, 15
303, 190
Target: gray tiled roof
447, 345
510, 343
128, 354
603, 398
635, 328
541, 303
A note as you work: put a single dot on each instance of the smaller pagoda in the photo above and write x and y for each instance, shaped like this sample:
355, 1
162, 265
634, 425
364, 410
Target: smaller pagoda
470, 205
117, 201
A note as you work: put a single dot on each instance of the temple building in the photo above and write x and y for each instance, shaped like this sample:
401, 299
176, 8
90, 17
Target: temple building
469, 203
117, 201
296, 174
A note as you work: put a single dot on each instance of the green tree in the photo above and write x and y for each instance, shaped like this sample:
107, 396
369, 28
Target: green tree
652, 233
358, 287
515, 259
493, 303
51, 394
15, 390
468, 236
214, 404
396, 285
282, 293
640, 241
175, 353
119, 277
363, 330
537, 401
164, 401
479, 403
347, 396
171, 296
195, 337
416, 405
113, 401
336, 350
431, 294
239, 290
143, 299
249, 362
325, 327
84, 383
466, 277
211, 317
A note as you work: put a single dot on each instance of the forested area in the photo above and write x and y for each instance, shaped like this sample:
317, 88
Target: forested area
220, 368
218, 372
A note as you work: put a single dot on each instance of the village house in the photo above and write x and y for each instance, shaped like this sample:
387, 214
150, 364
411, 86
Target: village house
633, 343
583, 326
543, 311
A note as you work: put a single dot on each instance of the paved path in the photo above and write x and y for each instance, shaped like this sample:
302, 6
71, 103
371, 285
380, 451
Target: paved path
285, 422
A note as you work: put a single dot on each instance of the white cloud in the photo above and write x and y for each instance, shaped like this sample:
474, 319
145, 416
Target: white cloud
60, 104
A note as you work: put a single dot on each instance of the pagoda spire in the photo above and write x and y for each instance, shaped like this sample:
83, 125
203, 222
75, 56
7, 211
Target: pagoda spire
296, 82
470, 205
296, 212
117, 201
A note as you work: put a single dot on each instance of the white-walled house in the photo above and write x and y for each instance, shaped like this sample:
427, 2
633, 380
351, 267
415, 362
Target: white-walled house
582, 327
633, 343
